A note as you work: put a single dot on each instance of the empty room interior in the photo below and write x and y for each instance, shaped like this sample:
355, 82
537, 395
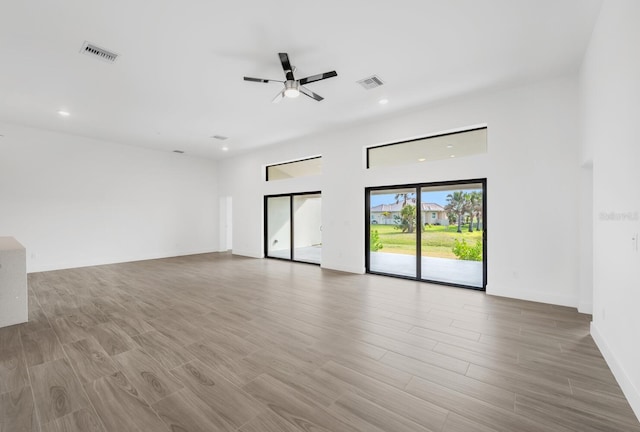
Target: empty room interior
349, 216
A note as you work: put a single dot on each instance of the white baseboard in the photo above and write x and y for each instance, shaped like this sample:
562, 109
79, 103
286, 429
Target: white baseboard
536, 296
585, 308
36, 268
342, 268
630, 391
246, 254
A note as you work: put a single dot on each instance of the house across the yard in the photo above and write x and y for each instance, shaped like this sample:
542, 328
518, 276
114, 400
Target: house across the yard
432, 213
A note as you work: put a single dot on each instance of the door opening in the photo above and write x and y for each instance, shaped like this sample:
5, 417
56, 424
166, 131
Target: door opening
226, 224
434, 232
293, 227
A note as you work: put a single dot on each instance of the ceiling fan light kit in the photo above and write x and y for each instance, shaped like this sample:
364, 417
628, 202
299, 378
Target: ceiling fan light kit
291, 89
292, 86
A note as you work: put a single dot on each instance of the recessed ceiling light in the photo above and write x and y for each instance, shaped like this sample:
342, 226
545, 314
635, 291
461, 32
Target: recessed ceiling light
64, 113
450, 146
452, 155
421, 160
225, 148
383, 101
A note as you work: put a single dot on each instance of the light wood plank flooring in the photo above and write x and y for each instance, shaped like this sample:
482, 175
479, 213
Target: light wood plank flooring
215, 342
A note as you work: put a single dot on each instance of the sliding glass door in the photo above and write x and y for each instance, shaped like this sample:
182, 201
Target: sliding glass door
278, 244
393, 233
293, 227
307, 228
433, 232
452, 237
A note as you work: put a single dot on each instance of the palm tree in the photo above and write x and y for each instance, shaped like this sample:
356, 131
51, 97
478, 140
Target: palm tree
457, 203
474, 204
406, 221
469, 200
404, 197
477, 208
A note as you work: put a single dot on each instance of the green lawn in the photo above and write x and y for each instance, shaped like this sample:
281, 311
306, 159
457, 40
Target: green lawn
437, 241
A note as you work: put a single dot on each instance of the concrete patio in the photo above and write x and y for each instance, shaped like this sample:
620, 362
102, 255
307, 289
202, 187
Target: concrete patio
436, 269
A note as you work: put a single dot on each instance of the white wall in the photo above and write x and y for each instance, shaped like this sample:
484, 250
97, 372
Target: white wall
610, 84
585, 241
532, 165
307, 221
74, 201
242, 178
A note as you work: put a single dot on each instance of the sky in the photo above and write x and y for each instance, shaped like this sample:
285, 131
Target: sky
439, 197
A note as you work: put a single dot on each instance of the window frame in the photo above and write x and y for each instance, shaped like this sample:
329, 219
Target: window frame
418, 187
472, 129
288, 163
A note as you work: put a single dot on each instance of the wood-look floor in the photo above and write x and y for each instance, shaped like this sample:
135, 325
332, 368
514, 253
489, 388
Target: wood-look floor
220, 343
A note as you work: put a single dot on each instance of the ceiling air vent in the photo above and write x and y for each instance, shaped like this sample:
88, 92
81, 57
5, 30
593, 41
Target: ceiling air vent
220, 137
97, 52
371, 82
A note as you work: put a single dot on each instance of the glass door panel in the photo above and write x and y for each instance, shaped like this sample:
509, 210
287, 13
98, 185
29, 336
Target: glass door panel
452, 234
307, 228
393, 230
278, 227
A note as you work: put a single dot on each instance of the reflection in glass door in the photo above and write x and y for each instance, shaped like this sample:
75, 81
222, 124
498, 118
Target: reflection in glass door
293, 227
307, 228
278, 243
433, 232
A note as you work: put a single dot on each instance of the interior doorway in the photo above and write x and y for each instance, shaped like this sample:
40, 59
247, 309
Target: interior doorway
226, 223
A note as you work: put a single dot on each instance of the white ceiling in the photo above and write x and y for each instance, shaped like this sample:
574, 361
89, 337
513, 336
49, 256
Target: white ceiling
178, 80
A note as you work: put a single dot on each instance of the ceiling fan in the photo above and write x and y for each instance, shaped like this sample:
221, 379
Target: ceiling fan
293, 87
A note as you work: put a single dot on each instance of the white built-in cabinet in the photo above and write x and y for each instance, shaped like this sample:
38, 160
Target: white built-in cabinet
13, 282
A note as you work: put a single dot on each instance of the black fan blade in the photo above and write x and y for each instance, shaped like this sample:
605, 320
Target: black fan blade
278, 97
314, 78
286, 65
262, 80
311, 94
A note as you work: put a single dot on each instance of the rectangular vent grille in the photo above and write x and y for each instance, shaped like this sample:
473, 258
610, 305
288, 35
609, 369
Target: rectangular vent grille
220, 137
97, 52
371, 82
